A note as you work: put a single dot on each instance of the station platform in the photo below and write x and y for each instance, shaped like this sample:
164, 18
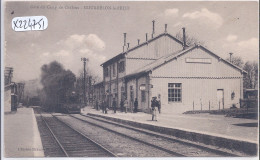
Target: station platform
21, 134
236, 132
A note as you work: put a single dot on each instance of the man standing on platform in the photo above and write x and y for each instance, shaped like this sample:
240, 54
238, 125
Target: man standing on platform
114, 105
126, 105
135, 105
154, 103
159, 103
103, 106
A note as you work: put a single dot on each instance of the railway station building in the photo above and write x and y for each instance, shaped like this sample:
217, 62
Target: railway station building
183, 77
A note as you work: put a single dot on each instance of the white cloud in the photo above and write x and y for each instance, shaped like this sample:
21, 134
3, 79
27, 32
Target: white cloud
231, 38
249, 44
205, 17
70, 51
75, 41
171, 12
247, 49
85, 50
95, 42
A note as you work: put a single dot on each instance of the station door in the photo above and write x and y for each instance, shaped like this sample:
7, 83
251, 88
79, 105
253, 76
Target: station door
220, 98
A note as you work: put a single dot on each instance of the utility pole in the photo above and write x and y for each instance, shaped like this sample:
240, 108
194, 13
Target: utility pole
90, 90
84, 78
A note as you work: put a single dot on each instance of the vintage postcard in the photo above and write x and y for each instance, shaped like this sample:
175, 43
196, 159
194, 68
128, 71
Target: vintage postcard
139, 79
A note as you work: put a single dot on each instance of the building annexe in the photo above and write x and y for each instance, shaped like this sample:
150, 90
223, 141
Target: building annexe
184, 77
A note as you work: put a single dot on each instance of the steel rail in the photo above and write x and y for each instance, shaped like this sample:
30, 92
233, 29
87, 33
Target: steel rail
165, 137
60, 145
132, 138
83, 135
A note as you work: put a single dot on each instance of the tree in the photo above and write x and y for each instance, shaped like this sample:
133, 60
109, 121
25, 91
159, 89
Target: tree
91, 79
236, 60
251, 78
189, 40
56, 82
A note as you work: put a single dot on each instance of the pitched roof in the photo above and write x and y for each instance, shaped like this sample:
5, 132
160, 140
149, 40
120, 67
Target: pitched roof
165, 59
142, 44
225, 61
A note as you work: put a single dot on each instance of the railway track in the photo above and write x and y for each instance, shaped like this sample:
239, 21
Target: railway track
50, 145
169, 144
61, 140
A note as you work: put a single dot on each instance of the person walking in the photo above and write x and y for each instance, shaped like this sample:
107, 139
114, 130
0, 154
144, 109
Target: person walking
135, 105
126, 105
114, 105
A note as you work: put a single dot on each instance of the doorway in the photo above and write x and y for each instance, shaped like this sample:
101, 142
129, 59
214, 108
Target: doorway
220, 98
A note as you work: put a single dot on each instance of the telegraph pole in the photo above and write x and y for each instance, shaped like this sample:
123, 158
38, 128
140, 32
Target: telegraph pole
84, 77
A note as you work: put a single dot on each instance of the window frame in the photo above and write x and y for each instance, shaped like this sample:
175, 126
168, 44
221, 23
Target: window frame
106, 72
114, 70
121, 67
176, 90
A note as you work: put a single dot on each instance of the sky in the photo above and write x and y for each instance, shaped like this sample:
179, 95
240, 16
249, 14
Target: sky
96, 34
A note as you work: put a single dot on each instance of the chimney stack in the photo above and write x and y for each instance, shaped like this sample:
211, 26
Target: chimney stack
138, 41
124, 42
184, 38
146, 35
128, 45
165, 28
230, 58
153, 29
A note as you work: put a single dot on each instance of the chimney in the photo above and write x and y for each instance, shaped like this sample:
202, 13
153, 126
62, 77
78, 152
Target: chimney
184, 38
230, 58
138, 41
146, 35
165, 28
153, 29
128, 45
124, 42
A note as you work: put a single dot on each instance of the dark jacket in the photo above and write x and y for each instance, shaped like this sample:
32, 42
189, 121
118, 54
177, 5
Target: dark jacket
114, 103
136, 104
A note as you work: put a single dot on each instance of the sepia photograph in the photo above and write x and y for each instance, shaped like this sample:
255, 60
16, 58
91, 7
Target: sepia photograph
130, 79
